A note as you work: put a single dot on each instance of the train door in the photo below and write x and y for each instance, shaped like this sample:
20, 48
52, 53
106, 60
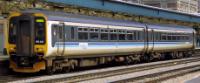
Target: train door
24, 39
150, 40
197, 42
61, 39
196, 39
2, 38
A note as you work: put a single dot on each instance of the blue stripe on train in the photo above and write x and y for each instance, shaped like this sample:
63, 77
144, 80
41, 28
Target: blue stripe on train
113, 44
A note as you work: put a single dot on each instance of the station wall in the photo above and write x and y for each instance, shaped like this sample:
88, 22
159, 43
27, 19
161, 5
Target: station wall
2, 32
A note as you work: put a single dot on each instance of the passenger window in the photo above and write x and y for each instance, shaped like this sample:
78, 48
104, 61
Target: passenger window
173, 37
94, 36
83, 36
85, 29
187, 37
104, 36
129, 35
82, 33
178, 37
94, 33
164, 37
122, 34
182, 37
169, 37
113, 34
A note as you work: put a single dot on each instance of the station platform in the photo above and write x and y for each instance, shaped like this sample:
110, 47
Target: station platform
3, 57
195, 79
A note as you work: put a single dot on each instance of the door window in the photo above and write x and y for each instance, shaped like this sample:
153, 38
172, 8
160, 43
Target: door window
12, 30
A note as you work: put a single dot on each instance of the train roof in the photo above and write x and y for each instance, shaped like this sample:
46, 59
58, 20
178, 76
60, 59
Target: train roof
171, 27
67, 17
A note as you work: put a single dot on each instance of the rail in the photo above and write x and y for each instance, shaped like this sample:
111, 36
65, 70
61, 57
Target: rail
109, 72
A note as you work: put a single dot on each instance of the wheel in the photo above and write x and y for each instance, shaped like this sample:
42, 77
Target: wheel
145, 58
151, 58
10, 71
180, 55
128, 61
162, 57
66, 69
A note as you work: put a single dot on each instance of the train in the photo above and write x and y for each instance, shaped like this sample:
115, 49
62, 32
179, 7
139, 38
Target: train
38, 40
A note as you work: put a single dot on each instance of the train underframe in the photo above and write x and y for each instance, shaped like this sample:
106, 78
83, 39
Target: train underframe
67, 64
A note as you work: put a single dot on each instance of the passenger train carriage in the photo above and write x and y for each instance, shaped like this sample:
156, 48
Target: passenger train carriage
45, 40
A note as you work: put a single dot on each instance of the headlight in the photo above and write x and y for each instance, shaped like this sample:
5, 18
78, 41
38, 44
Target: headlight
40, 50
12, 49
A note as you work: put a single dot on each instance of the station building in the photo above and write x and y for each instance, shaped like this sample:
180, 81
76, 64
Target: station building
187, 6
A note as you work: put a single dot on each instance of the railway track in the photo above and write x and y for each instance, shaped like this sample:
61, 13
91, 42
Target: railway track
91, 75
18, 76
161, 76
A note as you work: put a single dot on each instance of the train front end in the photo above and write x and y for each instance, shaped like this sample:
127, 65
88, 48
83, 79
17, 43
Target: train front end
27, 43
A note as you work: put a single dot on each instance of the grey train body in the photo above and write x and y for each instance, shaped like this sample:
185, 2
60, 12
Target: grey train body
81, 36
78, 40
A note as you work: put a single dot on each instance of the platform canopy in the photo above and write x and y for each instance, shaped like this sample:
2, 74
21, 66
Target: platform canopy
128, 8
